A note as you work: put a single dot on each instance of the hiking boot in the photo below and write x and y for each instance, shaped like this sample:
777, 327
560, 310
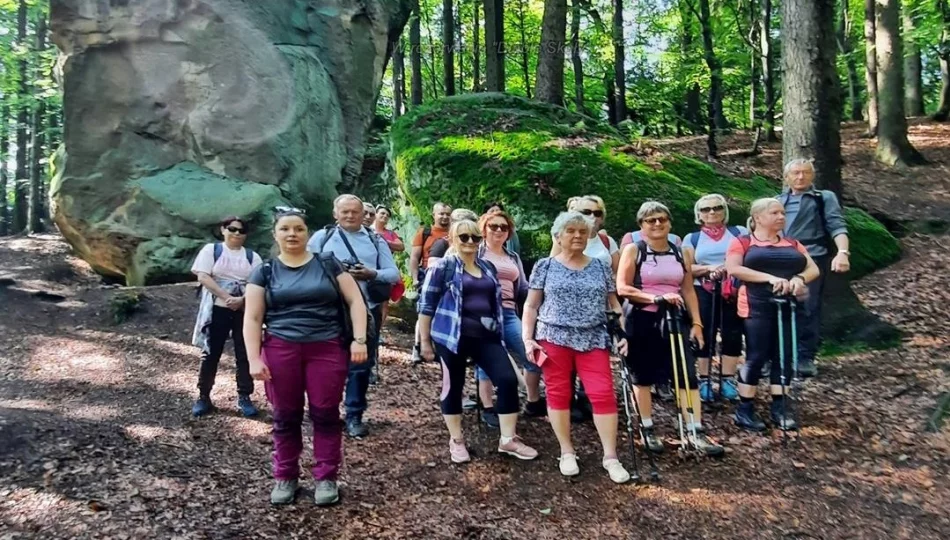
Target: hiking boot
706, 393
284, 492
356, 428
729, 389
515, 447
567, 464
325, 493
786, 423
202, 407
246, 407
490, 417
618, 474
651, 441
458, 452
807, 370
705, 445
416, 355
536, 409
746, 418
469, 403
664, 392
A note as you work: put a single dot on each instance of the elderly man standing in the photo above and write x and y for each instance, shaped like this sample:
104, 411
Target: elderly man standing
366, 256
814, 218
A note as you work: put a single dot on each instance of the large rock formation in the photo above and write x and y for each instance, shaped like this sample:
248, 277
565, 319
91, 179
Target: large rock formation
180, 112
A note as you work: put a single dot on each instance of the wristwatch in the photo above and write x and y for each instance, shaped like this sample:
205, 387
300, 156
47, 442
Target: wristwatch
360, 340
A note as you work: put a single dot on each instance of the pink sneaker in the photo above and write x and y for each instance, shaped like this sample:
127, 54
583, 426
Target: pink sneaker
514, 447
458, 451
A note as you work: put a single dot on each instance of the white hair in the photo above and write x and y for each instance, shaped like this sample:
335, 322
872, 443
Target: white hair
711, 196
652, 207
564, 219
463, 214
346, 197
798, 162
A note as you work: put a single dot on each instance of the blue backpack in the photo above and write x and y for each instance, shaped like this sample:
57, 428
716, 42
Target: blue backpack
733, 230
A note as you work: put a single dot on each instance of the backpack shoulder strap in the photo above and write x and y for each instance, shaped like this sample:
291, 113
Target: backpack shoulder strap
250, 255
693, 240
426, 233
820, 204
329, 229
218, 250
641, 257
605, 239
745, 241
734, 231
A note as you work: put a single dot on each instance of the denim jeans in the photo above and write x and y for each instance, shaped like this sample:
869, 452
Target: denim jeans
357, 380
809, 331
514, 344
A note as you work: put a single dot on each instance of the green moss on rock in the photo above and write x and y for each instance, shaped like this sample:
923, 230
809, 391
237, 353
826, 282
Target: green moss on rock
472, 149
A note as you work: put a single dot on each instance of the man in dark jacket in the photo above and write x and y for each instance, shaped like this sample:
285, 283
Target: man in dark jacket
814, 218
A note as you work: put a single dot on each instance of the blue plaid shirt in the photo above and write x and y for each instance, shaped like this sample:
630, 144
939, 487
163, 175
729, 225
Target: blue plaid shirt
441, 299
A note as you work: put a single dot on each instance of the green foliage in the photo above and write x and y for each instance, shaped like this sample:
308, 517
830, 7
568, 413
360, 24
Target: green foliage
472, 149
125, 304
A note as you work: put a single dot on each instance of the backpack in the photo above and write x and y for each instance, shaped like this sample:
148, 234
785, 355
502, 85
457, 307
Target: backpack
218, 250
377, 291
605, 239
346, 322
642, 257
733, 230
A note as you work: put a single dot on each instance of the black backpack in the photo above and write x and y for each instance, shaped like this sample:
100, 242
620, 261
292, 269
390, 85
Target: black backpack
642, 257
378, 291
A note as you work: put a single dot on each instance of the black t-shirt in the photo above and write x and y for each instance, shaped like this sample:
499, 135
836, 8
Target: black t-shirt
439, 247
303, 305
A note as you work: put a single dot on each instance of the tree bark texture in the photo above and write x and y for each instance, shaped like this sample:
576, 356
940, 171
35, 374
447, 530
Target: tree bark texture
576, 62
620, 71
495, 45
943, 52
893, 148
714, 103
37, 143
549, 82
415, 55
811, 96
4, 157
448, 46
913, 69
870, 65
22, 177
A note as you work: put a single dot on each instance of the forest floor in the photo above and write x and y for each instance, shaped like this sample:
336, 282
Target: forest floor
96, 439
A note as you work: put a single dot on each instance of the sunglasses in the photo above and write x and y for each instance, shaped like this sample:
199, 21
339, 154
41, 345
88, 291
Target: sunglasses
660, 220
235, 230
289, 210
470, 238
595, 213
708, 209
496, 227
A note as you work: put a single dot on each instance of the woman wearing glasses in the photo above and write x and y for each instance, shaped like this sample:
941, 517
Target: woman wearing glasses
497, 228
599, 245
222, 269
707, 248
461, 317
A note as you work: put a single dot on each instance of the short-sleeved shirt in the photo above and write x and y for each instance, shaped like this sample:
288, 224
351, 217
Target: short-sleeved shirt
784, 259
711, 252
435, 234
508, 274
439, 248
302, 303
572, 313
232, 265
636, 236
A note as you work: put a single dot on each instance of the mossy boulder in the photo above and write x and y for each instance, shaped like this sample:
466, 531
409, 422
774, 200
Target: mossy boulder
472, 149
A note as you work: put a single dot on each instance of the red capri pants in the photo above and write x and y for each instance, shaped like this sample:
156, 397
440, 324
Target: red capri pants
593, 368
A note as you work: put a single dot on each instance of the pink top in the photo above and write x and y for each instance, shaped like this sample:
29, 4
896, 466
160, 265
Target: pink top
660, 275
508, 274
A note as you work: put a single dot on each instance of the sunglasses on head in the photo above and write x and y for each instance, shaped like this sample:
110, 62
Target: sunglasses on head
496, 227
235, 230
289, 210
708, 209
659, 220
470, 239
595, 213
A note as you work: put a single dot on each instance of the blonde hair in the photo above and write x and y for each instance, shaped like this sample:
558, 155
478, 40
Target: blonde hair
711, 196
465, 226
591, 198
463, 214
759, 206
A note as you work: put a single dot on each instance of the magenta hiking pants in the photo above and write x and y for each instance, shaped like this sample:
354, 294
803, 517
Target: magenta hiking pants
316, 371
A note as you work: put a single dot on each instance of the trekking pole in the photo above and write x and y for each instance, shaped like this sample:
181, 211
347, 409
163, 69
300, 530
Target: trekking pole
796, 379
717, 301
627, 393
779, 302
682, 351
629, 396
676, 380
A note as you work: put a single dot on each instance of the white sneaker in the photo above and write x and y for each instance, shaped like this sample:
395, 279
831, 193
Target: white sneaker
615, 469
568, 465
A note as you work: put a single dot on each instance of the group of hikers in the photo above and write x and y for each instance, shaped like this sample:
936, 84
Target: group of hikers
307, 321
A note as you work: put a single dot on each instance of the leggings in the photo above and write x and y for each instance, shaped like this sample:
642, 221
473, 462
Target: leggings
488, 354
762, 346
725, 318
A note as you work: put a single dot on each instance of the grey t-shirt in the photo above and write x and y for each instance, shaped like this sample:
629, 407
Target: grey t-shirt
303, 305
572, 313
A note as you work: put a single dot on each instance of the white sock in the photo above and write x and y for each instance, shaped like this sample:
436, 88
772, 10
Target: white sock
697, 425
647, 421
506, 440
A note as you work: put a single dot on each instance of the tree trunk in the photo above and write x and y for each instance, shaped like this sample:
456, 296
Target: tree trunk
549, 82
714, 104
768, 71
754, 68
525, 65
476, 49
611, 98
576, 61
913, 69
22, 178
448, 46
846, 48
415, 55
495, 45
943, 52
433, 59
810, 90
893, 148
692, 114
870, 65
38, 140
620, 71
460, 41
399, 79
4, 157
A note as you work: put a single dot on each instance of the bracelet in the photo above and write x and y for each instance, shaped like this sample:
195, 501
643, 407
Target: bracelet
799, 276
698, 324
